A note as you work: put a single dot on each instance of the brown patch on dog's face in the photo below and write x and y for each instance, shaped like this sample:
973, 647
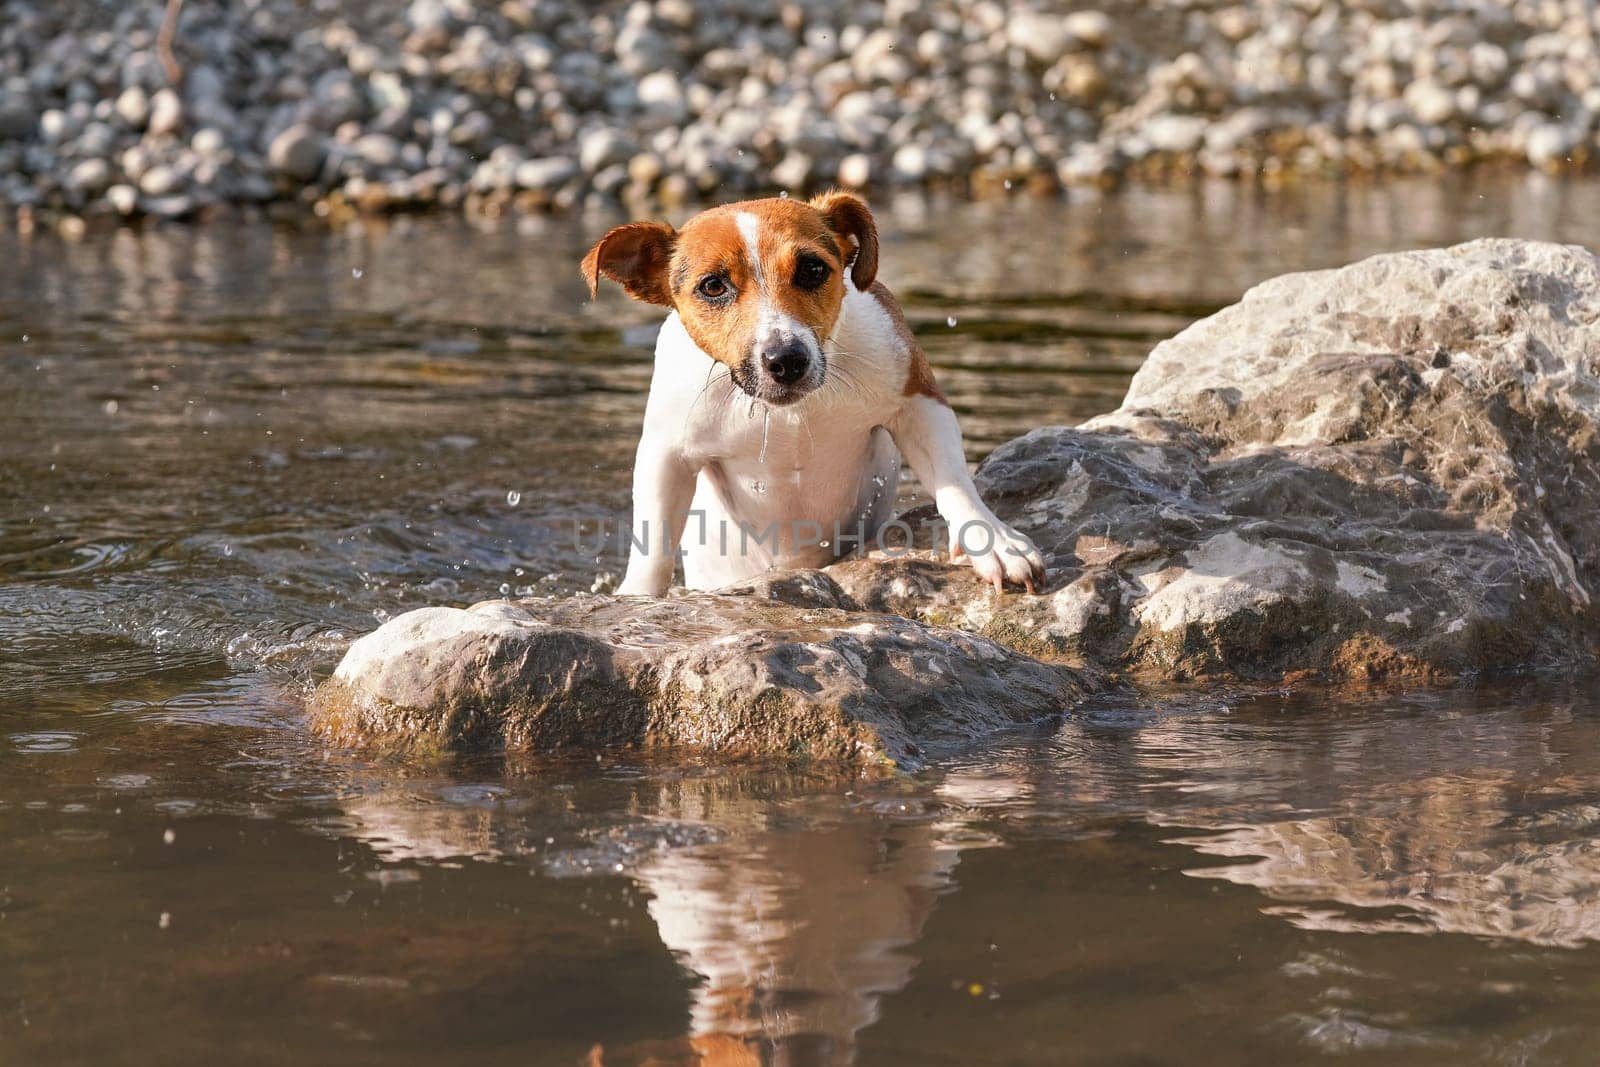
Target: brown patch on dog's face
758, 285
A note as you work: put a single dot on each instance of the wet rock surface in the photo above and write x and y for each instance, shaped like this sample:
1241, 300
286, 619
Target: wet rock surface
774, 671
1384, 473
1387, 471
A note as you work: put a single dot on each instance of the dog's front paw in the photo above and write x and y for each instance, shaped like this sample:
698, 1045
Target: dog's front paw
1007, 556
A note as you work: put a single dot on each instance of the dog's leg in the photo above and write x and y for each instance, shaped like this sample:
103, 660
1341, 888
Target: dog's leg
663, 489
930, 438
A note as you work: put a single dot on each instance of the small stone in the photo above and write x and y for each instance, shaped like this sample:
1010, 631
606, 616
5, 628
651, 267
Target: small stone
159, 180
89, 178
297, 152
379, 149
124, 199
55, 126
1175, 133
1092, 29
166, 112
1430, 104
546, 174
17, 120
855, 170
208, 142
645, 169
910, 162
1078, 78
133, 107
602, 148
661, 96
1042, 36
1549, 144
97, 139
794, 172
170, 207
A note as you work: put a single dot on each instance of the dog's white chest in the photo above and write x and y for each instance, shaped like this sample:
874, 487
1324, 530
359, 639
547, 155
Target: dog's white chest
786, 486
786, 495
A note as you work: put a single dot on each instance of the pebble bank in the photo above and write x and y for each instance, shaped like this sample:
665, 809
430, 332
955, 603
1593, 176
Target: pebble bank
539, 105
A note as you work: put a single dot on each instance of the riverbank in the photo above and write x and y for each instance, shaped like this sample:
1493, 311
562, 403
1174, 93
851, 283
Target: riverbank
546, 105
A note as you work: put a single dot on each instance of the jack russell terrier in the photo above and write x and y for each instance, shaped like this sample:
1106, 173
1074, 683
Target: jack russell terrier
786, 387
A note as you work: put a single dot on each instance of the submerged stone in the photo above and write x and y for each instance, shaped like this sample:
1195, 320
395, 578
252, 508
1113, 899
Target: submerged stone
1384, 473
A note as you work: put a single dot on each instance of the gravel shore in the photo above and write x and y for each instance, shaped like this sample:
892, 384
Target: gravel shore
537, 105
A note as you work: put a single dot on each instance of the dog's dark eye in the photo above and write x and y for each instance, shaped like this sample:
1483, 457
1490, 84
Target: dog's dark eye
810, 272
713, 287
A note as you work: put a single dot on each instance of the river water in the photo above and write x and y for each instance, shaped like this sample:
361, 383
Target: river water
227, 450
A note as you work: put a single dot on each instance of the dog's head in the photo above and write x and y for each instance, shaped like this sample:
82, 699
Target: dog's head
757, 284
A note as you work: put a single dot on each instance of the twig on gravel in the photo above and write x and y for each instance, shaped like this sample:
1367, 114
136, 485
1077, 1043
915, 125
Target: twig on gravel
169, 28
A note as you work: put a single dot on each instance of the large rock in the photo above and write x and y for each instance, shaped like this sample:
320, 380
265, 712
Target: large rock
1386, 472
784, 668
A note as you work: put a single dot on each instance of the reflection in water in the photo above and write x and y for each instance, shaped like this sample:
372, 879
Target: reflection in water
1490, 857
792, 920
1492, 829
796, 919
795, 936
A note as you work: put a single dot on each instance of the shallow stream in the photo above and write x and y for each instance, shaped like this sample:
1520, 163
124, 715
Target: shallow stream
225, 451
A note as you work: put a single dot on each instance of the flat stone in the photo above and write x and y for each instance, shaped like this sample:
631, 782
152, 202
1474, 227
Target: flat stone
725, 675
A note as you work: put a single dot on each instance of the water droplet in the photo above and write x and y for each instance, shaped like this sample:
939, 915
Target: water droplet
950, 322
783, 194
1007, 183
505, 588
169, 837
24, 338
356, 272
513, 498
110, 407
165, 920
824, 544
227, 550
758, 486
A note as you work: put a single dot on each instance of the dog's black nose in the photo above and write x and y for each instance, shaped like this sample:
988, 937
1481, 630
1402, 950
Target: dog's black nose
787, 365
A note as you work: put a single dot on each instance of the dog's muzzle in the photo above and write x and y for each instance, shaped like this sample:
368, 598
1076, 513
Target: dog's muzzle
782, 371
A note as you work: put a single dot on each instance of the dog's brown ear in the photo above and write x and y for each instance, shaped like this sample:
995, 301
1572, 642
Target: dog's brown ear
848, 216
634, 256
